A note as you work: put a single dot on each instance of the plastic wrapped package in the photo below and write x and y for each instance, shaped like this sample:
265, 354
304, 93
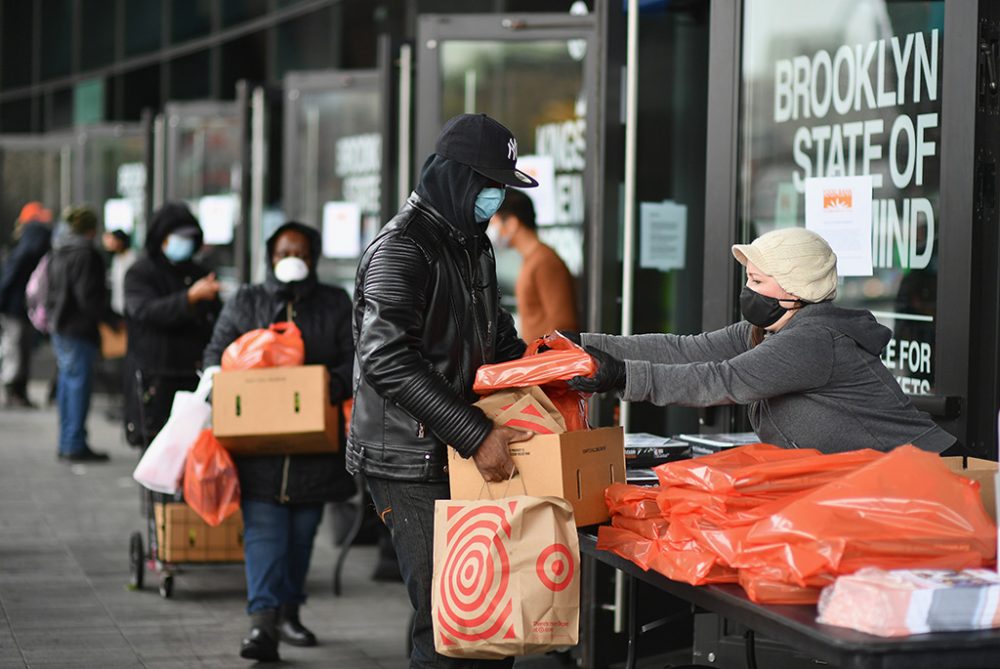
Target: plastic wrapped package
904, 510
548, 362
899, 603
279, 345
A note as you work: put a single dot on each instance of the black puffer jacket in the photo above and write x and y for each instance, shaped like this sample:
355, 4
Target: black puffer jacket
323, 314
33, 242
427, 315
77, 298
166, 335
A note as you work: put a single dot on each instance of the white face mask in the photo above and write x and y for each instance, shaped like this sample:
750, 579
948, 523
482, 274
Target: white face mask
291, 269
496, 237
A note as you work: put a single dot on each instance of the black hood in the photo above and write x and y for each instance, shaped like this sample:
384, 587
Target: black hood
451, 188
170, 217
858, 324
300, 288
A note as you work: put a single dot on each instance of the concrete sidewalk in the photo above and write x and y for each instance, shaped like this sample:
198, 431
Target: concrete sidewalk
64, 534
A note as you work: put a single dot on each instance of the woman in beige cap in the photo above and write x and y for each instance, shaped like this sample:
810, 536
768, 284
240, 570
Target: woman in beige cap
809, 372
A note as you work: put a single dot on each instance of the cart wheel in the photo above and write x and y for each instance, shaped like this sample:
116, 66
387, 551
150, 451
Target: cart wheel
166, 586
136, 562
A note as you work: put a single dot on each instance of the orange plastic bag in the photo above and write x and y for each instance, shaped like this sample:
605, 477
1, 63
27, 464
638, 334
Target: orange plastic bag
763, 469
649, 528
548, 362
279, 345
904, 510
211, 482
632, 501
628, 545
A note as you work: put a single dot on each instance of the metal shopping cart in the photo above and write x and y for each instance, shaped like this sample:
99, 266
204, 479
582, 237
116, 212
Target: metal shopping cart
175, 535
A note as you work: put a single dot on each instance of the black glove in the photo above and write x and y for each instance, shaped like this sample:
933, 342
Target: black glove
610, 374
572, 336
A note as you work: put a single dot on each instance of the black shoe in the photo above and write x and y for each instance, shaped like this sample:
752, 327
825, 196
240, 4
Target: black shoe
291, 629
86, 455
259, 646
17, 400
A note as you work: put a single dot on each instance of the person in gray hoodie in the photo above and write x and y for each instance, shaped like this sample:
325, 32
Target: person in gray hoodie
808, 371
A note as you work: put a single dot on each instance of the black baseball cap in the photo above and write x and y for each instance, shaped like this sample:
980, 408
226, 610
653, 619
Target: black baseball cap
482, 143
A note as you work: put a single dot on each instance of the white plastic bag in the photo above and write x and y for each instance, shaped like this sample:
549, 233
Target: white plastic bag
162, 465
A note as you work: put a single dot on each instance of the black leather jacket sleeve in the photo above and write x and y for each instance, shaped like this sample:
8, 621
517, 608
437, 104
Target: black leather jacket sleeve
389, 344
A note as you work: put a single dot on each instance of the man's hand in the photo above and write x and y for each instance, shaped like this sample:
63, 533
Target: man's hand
610, 374
492, 458
203, 290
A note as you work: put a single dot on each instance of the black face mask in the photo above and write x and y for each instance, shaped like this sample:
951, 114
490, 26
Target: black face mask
761, 310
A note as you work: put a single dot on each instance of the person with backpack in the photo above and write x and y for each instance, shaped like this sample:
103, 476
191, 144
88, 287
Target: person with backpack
76, 302
32, 240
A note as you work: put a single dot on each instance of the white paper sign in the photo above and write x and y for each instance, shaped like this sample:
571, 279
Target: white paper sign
119, 215
542, 169
662, 235
839, 209
217, 215
341, 230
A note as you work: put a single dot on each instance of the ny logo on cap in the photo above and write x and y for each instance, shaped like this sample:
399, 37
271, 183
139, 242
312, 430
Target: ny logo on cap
512, 149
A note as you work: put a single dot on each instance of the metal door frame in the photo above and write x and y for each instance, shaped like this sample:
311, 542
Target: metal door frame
332, 81
955, 253
435, 28
173, 112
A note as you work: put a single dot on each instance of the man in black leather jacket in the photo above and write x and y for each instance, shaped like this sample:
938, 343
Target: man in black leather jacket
427, 315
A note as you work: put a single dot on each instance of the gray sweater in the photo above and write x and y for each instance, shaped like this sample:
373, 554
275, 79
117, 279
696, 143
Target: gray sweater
816, 383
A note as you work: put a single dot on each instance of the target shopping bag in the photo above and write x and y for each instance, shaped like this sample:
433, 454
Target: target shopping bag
506, 577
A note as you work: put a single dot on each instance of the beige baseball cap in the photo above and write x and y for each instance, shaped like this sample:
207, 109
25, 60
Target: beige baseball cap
799, 260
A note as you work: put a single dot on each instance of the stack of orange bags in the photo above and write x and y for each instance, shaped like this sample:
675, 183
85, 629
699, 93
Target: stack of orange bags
785, 523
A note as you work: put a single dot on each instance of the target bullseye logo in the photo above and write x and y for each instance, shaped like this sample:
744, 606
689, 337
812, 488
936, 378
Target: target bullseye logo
555, 567
474, 588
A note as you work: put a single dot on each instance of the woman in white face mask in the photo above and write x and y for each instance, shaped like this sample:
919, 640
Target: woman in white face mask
283, 495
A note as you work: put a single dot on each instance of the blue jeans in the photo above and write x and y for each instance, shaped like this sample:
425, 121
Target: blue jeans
75, 359
277, 544
407, 509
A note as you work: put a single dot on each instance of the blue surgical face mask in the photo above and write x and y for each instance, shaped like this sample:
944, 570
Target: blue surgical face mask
178, 248
487, 203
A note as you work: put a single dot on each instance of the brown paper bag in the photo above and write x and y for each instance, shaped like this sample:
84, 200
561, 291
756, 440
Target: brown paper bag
528, 414
506, 577
499, 402
114, 342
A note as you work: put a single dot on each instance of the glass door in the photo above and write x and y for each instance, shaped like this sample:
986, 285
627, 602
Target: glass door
110, 176
33, 167
538, 75
333, 168
205, 151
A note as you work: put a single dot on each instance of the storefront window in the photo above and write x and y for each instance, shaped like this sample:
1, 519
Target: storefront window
835, 88
336, 173
205, 171
537, 90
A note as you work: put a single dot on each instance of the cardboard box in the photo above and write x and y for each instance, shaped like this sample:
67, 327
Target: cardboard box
184, 537
576, 466
275, 411
983, 472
